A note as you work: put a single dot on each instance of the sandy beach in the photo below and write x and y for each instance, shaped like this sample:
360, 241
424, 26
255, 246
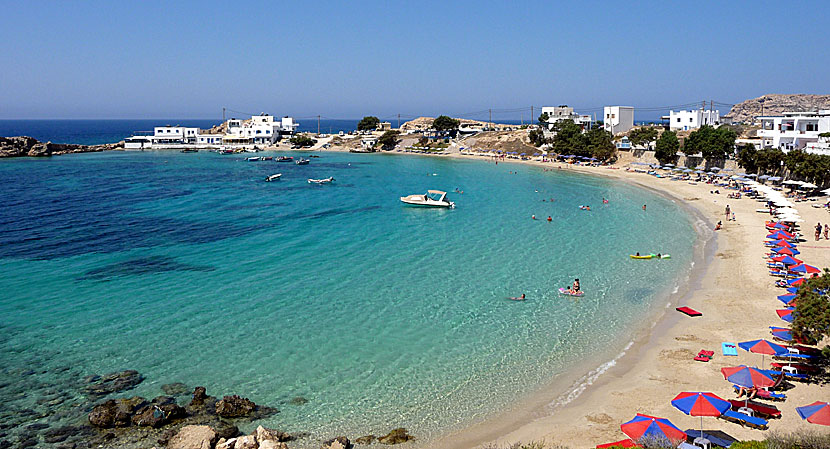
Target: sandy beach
738, 301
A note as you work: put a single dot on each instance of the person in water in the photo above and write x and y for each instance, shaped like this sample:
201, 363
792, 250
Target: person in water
549, 218
638, 254
644, 207
575, 287
518, 298
533, 217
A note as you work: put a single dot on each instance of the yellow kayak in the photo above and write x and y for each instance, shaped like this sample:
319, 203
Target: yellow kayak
647, 256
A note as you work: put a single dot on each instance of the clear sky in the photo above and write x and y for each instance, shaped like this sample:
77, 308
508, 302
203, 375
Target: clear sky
345, 59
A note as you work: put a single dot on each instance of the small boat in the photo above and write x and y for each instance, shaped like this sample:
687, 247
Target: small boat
302, 161
285, 159
190, 150
252, 159
225, 151
433, 198
273, 177
267, 158
314, 155
650, 256
565, 291
320, 181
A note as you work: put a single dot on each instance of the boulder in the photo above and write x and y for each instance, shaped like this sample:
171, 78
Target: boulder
265, 434
368, 439
271, 444
156, 415
174, 389
337, 443
193, 437
396, 436
224, 429
98, 386
245, 442
225, 444
234, 406
115, 412
298, 400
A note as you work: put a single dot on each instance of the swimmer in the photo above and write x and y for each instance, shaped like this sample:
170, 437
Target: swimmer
575, 287
644, 207
549, 218
604, 201
533, 217
518, 298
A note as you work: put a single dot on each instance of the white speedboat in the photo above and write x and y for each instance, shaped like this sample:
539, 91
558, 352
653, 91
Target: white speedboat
273, 177
433, 198
302, 161
252, 159
320, 181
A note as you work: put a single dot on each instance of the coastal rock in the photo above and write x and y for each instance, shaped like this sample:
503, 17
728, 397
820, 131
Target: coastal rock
271, 444
368, 439
396, 436
337, 443
225, 444
158, 413
234, 406
27, 146
224, 429
245, 442
193, 437
112, 383
774, 104
265, 434
299, 400
174, 389
115, 412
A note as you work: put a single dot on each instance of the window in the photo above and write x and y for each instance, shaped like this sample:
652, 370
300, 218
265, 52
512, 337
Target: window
690, 120
678, 119
258, 131
613, 115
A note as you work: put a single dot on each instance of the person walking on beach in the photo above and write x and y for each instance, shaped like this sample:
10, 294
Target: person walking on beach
818, 232
727, 212
826, 230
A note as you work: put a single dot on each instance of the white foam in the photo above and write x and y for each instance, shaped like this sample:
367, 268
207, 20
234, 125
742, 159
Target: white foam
587, 380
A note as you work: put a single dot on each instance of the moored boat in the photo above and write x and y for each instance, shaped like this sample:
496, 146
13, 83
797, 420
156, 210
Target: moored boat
252, 159
285, 159
275, 177
321, 181
433, 198
302, 161
190, 150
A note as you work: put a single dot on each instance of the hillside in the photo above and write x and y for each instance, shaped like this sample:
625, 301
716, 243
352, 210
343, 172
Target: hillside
773, 104
424, 123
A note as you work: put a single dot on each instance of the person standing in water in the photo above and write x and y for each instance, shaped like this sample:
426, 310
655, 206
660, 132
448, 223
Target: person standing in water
644, 207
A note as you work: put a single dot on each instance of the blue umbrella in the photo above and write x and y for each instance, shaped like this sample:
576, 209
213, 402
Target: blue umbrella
796, 281
817, 413
784, 249
780, 226
781, 333
786, 314
748, 377
793, 289
763, 347
701, 404
786, 299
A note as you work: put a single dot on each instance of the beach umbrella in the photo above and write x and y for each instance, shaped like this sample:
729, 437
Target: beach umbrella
700, 404
787, 260
792, 289
786, 299
747, 377
781, 333
644, 426
763, 347
763, 177
715, 169
817, 413
779, 234
783, 243
786, 314
780, 226
796, 281
785, 250
804, 268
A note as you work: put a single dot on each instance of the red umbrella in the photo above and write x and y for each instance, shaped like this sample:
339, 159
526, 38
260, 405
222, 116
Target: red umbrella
783, 242
746, 376
803, 268
652, 427
700, 404
817, 413
789, 261
784, 250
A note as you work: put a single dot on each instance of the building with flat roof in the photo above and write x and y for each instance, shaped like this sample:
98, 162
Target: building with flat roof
565, 112
618, 119
693, 119
796, 130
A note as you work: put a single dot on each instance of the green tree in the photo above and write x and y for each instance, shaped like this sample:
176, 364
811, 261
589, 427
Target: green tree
769, 160
811, 322
543, 119
642, 136
748, 158
388, 140
711, 143
666, 148
537, 137
600, 144
302, 140
368, 123
445, 123
569, 138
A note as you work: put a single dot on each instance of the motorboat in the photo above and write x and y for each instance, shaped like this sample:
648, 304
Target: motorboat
285, 159
267, 158
252, 159
321, 181
190, 150
275, 177
433, 198
302, 161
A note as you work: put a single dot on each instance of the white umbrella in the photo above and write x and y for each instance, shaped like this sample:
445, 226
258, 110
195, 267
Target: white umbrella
826, 192
808, 185
792, 182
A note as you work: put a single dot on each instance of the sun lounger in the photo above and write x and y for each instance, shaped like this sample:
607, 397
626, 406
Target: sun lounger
764, 394
729, 349
688, 311
764, 411
717, 441
744, 420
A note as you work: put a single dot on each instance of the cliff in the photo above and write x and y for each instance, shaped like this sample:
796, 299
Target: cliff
29, 146
774, 104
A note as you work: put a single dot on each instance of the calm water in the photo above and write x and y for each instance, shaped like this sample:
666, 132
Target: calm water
190, 268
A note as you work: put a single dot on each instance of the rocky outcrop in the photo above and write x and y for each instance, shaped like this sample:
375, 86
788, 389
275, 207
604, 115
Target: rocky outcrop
115, 412
100, 386
162, 410
396, 436
337, 443
29, 146
174, 389
265, 434
234, 407
193, 437
368, 439
773, 104
246, 442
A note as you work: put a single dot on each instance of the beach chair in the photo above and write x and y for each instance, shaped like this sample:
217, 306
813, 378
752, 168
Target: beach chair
714, 439
761, 410
745, 420
764, 394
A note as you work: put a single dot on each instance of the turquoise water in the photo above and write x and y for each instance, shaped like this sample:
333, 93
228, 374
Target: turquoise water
190, 268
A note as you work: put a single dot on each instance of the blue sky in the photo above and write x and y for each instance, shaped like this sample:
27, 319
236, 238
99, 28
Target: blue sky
349, 59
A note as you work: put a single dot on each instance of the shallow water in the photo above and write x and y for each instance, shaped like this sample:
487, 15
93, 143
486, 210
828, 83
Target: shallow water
190, 268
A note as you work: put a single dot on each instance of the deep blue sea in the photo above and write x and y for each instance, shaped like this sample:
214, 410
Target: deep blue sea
190, 268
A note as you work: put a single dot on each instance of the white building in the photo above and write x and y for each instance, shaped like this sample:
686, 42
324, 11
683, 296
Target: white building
618, 119
261, 129
796, 130
564, 112
694, 119
174, 135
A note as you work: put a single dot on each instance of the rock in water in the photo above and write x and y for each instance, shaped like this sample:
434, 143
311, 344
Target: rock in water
368, 439
115, 412
174, 389
224, 429
112, 383
299, 400
158, 413
193, 437
271, 444
245, 442
337, 443
234, 406
265, 434
396, 436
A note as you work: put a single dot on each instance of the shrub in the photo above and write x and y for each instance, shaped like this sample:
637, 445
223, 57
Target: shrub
748, 445
804, 439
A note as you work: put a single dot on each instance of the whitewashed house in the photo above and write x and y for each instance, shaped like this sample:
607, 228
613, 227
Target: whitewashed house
260, 130
565, 112
693, 119
618, 119
796, 130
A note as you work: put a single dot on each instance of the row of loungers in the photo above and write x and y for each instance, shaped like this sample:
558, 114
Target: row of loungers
745, 420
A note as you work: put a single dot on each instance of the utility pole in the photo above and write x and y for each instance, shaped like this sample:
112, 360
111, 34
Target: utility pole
399, 121
318, 124
223, 115
531, 114
522, 118
490, 125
